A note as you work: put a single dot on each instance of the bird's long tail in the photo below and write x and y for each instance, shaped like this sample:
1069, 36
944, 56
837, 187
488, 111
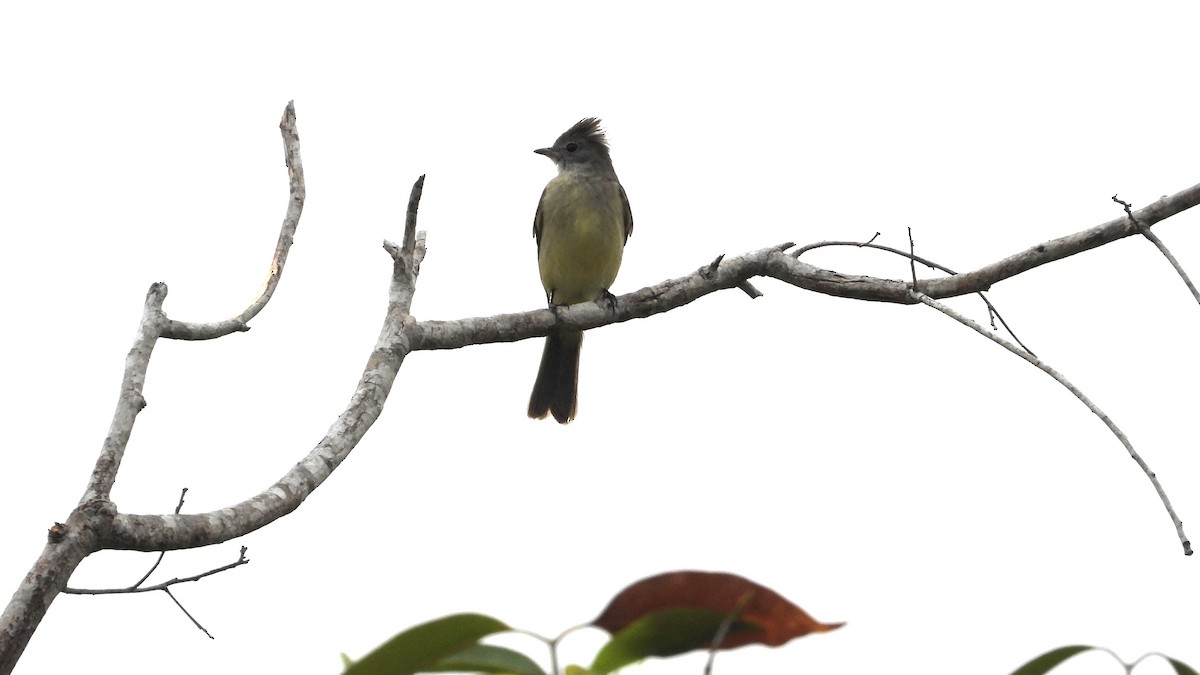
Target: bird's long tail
557, 378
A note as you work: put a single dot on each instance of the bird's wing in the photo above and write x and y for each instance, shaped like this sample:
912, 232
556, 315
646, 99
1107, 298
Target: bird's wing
628, 213
537, 220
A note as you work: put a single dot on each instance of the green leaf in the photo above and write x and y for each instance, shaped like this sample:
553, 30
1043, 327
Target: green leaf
1044, 663
666, 632
487, 659
578, 670
1182, 668
421, 647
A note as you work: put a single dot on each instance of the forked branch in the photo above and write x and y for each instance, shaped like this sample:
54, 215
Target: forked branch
96, 524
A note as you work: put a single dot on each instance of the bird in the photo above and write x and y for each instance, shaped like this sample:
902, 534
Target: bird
582, 223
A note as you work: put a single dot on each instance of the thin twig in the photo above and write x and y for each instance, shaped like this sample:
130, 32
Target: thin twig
182, 494
161, 554
242, 560
188, 614
870, 244
1058, 377
985, 277
912, 265
1147, 233
993, 313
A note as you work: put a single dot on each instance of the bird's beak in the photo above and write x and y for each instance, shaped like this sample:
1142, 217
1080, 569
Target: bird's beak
549, 152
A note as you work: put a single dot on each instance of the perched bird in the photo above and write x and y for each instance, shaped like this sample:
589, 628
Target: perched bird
581, 225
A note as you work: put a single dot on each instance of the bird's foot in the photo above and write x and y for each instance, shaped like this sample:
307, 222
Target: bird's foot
609, 299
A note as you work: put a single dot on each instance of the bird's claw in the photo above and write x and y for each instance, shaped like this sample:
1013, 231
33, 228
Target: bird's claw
609, 299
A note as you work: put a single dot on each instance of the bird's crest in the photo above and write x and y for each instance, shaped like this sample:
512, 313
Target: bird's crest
587, 128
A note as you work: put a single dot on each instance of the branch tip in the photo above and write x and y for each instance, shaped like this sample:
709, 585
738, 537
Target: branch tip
410, 217
1129, 213
289, 113
1058, 377
912, 263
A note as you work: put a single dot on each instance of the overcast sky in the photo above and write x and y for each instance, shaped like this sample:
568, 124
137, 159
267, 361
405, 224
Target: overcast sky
877, 464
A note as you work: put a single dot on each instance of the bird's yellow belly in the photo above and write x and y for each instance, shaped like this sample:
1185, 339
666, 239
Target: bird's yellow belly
581, 247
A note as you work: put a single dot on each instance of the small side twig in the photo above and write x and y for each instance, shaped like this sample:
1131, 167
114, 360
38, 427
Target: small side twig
166, 585
993, 313
188, 614
161, 554
242, 560
749, 289
710, 271
912, 264
1162, 248
1058, 377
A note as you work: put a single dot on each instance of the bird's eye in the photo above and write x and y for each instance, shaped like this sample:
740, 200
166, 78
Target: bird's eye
572, 147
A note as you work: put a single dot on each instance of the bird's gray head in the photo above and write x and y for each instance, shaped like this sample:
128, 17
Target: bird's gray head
581, 145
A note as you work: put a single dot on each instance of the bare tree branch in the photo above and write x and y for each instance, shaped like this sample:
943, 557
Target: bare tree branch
138, 588
155, 532
65, 548
95, 524
90, 526
181, 330
993, 313
1057, 249
1058, 377
130, 402
730, 272
161, 554
882, 290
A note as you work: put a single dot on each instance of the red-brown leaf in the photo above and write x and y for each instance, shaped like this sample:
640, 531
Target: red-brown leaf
778, 619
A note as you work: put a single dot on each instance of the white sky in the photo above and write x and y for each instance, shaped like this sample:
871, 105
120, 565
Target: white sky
877, 464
